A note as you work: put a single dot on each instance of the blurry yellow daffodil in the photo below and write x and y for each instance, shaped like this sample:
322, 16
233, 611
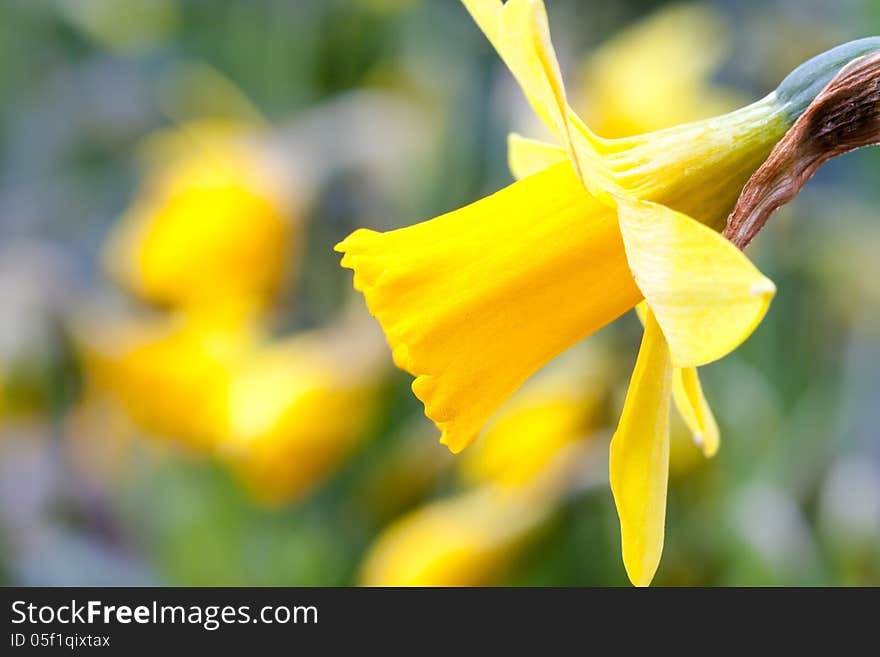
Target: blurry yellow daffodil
216, 219
282, 414
656, 74
560, 405
297, 407
475, 301
171, 375
527, 460
469, 539
208, 236
211, 237
466, 540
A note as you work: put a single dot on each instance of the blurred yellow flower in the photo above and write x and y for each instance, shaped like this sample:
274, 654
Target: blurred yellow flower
560, 405
212, 235
475, 301
171, 375
515, 477
215, 219
282, 414
466, 540
298, 407
656, 74
471, 538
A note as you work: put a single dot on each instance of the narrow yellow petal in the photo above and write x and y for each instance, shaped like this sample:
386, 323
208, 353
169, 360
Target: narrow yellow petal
515, 31
705, 293
487, 16
691, 403
520, 32
466, 299
695, 411
639, 459
528, 51
528, 156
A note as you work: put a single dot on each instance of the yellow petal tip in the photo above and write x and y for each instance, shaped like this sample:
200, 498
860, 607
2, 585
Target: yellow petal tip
763, 288
642, 580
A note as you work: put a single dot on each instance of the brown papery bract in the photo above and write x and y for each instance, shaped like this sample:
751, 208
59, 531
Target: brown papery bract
843, 117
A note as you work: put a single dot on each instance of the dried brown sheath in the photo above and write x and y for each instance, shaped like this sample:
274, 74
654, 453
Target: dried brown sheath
844, 116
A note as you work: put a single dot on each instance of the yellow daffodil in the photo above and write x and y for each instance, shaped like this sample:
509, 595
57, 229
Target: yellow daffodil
171, 375
466, 540
515, 477
281, 414
560, 405
215, 219
298, 407
656, 74
514, 481
475, 301
212, 235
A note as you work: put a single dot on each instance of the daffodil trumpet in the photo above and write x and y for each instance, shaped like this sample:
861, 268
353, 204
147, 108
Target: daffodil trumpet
475, 301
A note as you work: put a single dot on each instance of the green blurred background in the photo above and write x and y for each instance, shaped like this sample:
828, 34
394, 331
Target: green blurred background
89, 495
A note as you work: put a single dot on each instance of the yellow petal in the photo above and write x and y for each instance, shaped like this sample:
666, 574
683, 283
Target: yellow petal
477, 300
518, 31
694, 410
691, 403
639, 460
706, 295
528, 156
642, 312
527, 49
487, 16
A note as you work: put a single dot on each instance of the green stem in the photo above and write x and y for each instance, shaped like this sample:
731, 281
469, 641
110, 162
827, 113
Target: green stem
803, 84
